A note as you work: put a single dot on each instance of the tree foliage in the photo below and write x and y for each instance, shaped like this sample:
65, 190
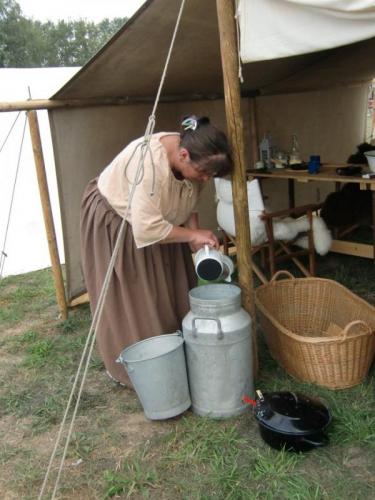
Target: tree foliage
28, 43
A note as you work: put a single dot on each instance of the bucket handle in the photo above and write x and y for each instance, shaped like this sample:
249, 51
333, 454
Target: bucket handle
280, 273
126, 365
121, 360
345, 331
220, 334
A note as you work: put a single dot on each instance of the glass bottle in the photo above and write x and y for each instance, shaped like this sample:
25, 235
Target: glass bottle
294, 156
265, 151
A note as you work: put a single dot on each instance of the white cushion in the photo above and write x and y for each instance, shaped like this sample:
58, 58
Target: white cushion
254, 195
225, 219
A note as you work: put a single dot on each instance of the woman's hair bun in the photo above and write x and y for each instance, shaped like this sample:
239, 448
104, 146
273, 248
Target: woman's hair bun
204, 120
207, 146
192, 122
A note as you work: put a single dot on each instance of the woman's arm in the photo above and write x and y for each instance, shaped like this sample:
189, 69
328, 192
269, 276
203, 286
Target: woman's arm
192, 221
197, 238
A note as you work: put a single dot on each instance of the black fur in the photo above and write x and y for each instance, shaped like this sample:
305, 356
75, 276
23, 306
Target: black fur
346, 207
359, 157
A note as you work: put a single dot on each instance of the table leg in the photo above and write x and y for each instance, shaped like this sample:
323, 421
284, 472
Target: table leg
335, 229
291, 193
373, 222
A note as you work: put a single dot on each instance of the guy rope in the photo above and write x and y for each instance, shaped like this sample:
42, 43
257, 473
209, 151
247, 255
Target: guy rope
3, 254
90, 341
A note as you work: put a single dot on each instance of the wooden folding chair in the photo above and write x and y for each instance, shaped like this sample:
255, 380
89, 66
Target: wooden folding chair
275, 251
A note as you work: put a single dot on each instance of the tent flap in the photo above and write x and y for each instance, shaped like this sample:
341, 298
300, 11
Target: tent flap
272, 29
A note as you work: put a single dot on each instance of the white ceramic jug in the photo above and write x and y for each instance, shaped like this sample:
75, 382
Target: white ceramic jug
211, 265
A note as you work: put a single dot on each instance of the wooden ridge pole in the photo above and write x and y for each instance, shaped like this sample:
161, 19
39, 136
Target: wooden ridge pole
47, 212
33, 104
229, 60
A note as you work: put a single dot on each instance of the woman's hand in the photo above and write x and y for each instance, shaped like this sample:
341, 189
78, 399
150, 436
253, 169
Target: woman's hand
201, 237
196, 238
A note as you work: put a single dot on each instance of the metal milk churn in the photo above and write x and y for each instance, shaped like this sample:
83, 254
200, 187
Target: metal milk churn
217, 334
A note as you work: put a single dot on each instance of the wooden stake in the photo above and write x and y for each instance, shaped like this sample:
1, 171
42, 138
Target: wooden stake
47, 212
229, 60
78, 301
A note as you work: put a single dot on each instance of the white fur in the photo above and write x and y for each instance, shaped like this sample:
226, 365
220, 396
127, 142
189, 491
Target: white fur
321, 235
286, 229
225, 218
223, 189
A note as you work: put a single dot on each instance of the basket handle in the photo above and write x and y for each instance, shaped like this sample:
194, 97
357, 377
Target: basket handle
348, 327
280, 273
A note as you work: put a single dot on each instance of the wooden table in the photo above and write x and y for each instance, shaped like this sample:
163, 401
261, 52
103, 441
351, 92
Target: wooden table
327, 173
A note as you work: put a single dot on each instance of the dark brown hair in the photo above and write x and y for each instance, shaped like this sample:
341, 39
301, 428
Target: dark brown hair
207, 146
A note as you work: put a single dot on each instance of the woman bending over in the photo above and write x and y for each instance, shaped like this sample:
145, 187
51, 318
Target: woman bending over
154, 271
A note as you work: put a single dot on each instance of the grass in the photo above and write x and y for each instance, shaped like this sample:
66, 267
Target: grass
33, 293
116, 453
133, 479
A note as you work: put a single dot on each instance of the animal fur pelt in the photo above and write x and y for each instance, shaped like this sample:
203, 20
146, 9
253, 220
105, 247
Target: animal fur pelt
359, 157
346, 207
321, 235
288, 229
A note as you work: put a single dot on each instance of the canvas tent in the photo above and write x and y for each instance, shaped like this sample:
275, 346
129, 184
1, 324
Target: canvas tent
320, 94
23, 237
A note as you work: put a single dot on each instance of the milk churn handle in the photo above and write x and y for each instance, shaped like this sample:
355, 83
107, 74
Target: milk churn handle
220, 334
178, 333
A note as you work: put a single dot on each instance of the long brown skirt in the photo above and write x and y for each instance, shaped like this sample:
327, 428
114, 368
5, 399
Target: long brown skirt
148, 291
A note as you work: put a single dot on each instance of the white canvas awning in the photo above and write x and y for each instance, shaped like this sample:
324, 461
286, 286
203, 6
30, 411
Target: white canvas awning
273, 29
130, 64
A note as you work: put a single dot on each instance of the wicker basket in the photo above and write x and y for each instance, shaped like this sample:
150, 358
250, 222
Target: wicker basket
317, 330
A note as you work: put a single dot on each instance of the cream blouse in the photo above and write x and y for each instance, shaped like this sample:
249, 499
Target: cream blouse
151, 216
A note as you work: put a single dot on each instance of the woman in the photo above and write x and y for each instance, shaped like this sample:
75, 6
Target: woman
153, 273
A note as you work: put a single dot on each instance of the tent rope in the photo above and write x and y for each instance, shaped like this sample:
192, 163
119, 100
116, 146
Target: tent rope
10, 131
89, 345
3, 254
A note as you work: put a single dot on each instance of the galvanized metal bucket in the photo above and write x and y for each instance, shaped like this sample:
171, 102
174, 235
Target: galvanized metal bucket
157, 370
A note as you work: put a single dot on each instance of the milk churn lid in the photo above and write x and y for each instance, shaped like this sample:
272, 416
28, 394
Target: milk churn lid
291, 413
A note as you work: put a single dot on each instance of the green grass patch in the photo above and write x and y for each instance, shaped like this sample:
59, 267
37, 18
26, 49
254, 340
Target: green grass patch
25, 294
133, 479
114, 452
203, 440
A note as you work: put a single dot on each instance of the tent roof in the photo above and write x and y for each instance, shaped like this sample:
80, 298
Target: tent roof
131, 63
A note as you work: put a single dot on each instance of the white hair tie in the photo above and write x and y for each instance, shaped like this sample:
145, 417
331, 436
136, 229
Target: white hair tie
190, 123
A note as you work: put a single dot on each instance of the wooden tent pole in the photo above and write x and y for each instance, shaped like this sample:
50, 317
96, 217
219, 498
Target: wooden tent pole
229, 60
47, 212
